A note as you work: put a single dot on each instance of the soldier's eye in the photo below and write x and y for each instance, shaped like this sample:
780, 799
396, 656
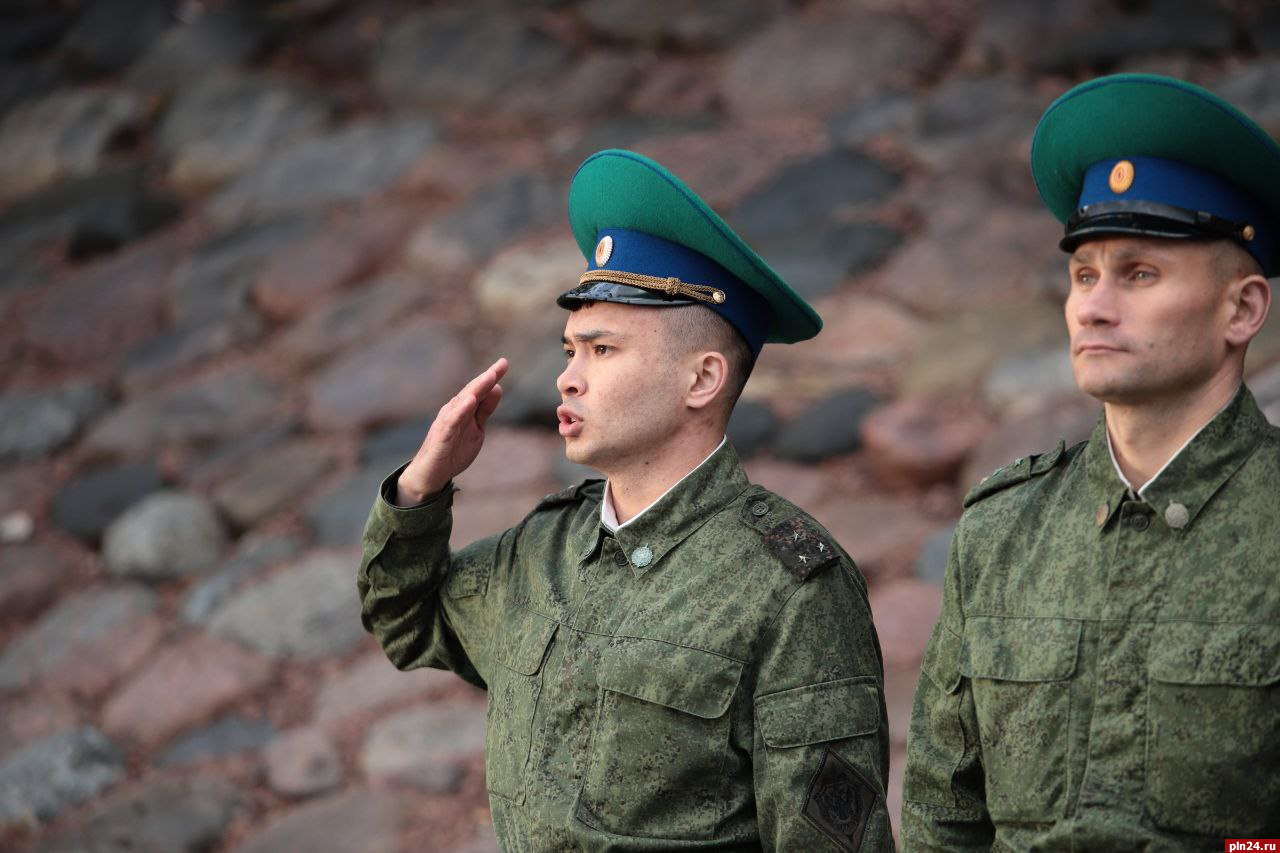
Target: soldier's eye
568, 354
601, 349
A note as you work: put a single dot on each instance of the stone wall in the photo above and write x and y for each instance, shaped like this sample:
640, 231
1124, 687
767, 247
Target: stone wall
247, 249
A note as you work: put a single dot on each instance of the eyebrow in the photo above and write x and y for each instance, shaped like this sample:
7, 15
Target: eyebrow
590, 335
1122, 255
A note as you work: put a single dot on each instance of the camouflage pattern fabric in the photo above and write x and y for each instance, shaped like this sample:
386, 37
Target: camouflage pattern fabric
707, 678
1105, 674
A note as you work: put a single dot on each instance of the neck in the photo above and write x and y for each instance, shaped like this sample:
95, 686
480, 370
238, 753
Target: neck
1145, 436
637, 483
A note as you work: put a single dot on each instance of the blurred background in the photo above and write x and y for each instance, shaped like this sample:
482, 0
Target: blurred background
248, 248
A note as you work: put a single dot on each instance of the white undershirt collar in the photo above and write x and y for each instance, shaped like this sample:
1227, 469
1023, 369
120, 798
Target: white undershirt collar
1138, 493
609, 517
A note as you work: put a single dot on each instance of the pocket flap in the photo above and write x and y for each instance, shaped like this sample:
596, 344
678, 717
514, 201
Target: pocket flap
817, 713
1208, 653
524, 641
688, 680
1012, 648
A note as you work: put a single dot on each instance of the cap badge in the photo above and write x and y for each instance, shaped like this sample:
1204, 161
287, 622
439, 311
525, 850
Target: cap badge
604, 249
1121, 177
1248, 233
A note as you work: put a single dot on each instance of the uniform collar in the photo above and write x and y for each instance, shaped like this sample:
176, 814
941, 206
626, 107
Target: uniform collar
673, 517
1192, 477
609, 516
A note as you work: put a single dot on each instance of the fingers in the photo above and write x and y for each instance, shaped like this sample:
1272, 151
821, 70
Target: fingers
483, 384
486, 406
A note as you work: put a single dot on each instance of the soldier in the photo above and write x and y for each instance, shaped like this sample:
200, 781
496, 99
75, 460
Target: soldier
674, 658
1105, 674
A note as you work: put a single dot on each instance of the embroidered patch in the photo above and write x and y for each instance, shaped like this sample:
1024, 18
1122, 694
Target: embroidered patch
839, 802
802, 549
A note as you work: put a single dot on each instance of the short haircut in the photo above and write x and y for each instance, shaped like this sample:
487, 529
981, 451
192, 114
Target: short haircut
692, 327
1229, 261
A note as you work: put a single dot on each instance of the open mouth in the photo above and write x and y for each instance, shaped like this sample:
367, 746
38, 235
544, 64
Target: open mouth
570, 421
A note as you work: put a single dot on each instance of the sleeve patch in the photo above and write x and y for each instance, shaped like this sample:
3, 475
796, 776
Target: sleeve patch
801, 548
839, 802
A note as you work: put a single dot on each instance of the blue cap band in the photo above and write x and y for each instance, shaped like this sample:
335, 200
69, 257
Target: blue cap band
644, 254
1181, 185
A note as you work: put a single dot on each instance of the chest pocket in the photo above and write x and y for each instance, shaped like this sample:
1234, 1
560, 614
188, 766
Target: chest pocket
660, 752
1214, 729
1020, 670
520, 650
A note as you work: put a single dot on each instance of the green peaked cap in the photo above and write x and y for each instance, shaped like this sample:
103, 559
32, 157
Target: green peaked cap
1149, 115
621, 189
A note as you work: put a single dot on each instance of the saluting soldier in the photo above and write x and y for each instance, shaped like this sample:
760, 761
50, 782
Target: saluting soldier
1105, 674
674, 658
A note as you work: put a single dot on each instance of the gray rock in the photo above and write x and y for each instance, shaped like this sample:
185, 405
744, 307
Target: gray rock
1196, 26
182, 346
931, 563
108, 35
1265, 385
29, 81
340, 166
1266, 30
166, 535
812, 193
198, 413
216, 281
252, 556
30, 29
751, 426
424, 746
389, 380
512, 207
365, 313
167, 814
395, 444
337, 517
221, 38
40, 780
814, 63
86, 505
33, 423
63, 135
715, 23
817, 260
1027, 381
966, 119
878, 114
77, 630
529, 390
831, 427
418, 61
304, 611
228, 736
367, 820
89, 214
228, 457
272, 480
224, 125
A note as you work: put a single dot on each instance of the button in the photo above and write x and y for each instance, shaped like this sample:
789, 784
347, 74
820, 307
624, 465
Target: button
641, 557
1140, 521
1176, 516
759, 508
619, 559
1100, 516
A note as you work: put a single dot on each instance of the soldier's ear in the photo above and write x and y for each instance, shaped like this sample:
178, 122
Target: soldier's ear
708, 376
1250, 303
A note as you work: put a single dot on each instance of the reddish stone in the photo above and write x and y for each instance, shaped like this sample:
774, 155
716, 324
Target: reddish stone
34, 716
480, 515
302, 762
30, 577
905, 612
1071, 421
513, 460
273, 479
102, 312
182, 686
882, 535
371, 683
298, 278
919, 441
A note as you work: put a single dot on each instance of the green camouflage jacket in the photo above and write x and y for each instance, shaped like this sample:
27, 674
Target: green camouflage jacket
1105, 674
707, 678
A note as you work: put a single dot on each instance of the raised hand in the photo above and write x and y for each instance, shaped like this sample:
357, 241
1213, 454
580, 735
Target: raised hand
454, 439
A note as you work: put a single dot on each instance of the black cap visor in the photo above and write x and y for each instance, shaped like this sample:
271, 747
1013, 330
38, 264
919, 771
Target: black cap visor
608, 291
1147, 219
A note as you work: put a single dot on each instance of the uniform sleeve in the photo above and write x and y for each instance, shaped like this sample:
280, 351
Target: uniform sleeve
423, 604
944, 796
821, 741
